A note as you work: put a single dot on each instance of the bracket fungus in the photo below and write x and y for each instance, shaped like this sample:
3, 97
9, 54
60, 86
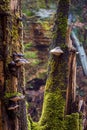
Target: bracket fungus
17, 98
56, 51
21, 61
17, 55
12, 107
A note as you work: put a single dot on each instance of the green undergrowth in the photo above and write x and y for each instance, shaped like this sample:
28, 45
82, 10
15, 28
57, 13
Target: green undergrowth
30, 54
33, 57
46, 25
28, 12
27, 46
72, 122
35, 62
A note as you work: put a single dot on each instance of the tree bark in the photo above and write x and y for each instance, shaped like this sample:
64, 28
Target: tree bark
10, 85
55, 91
71, 88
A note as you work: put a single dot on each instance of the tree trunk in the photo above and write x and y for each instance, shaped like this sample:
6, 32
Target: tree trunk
10, 85
71, 88
55, 92
61, 79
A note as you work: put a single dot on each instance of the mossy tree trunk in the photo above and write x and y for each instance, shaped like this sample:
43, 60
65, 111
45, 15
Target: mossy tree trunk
55, 92
61, 80
11, 78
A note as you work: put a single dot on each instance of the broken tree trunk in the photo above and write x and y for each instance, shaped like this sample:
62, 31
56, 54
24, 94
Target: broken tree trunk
12, 114
71, 89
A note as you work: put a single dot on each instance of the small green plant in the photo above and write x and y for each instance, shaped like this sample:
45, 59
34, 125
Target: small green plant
27, 46
35, 62
30, 54
46, 25
28, 12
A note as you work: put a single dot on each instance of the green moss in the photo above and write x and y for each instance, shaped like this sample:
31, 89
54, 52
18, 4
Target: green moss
35, 126
30, 54
46, 25
14, 30
72, 121
14, 33
52, 117
53, 108
8, 95
29, 124
27, 46
80, 121
28, 12
4, 7
35, 62
62, 24
29, 120
53, 111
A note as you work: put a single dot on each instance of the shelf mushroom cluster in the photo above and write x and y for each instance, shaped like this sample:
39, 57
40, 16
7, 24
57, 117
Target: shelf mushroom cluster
13, 102
18, 60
